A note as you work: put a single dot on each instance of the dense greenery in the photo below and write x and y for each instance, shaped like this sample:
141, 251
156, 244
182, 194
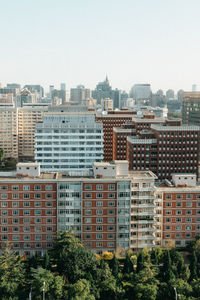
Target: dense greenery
6, 164
71, 271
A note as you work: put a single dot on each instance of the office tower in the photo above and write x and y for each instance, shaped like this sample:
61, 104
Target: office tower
63, 86
28, 116
141, 93
191, 108
51, 88
26, 96
166, 149
110, 120
14, 86
106, 104
116, 96
28, 210
194, 88
58, 94
68, 141
9, 131
103, 90
169, 94
180, 95
79, 94
9, 91
35, 88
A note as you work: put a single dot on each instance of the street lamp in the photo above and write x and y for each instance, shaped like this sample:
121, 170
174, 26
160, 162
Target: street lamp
175, 293
43, 290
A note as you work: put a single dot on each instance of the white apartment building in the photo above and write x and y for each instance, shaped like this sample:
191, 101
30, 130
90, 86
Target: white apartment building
68, 141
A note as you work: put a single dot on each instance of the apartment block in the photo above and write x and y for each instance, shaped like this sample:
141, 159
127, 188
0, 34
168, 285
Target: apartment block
110, 120
68, 141
9, 131
173, 148
28, 116
191, 108
181, 210
28, 210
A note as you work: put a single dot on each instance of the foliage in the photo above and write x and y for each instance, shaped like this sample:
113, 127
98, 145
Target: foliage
107, 255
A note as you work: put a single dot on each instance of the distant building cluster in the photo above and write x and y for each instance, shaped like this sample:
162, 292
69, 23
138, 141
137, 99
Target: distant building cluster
119, 169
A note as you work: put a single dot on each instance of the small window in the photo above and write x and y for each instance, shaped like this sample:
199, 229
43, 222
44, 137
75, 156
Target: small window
26, 187
88, 187
99, 187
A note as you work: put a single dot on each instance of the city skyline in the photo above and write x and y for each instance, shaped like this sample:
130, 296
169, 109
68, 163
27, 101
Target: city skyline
80, 42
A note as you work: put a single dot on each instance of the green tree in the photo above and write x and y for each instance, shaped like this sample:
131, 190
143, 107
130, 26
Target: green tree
12, 275
167, 267
2, 153
140, 262
193, 266
114, 265
53, 284
79, 291
128, 266
46, 261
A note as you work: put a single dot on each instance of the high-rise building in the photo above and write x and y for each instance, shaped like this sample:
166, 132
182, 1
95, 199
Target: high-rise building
35, 88
68, 141
63, 86
141, 93
28, 116
170, 94
191, 108
9, 131
79, 94
14, 86
103, 90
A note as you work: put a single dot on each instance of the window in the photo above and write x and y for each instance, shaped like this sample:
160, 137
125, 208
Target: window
111, 203
88, 220
49, 196
99, 244
4, 237
168, 219
4, 204
26, 220
168, 227
4, 229
99, 195
88, 203
48, 187
188, 235
15, 196
110, 244
37, 187
168, 196
188, 212
110, 236
88, 228
99, 220
26, 212
38, 228
38, 204
26, 229
188, 219
111, 220
38, 245
49, 212
178, 212
178, 235
26, 187
111, 187
179, 197
49, 228
4, 221
4, 212
178, 219
49, 221
99, 211
99, 236
111, 195
15, 187
4, 196
88, 195
49, 237
15, 229
37, 196
188, 227
99, 228
15, 204
178, 227
111, 211
15, 212
26, 204
88, 187
26, 196
38, 212
178, 204
38, 237
110, 228
88, 236
38, 220
188, 196
189, 204
99, 203
99, 187
88, 212
49, 245
168, 204
26, 237
168, 212
15, 221
3, 187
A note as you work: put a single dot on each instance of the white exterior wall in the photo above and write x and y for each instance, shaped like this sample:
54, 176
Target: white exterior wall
184, 179
68, 141
30, 169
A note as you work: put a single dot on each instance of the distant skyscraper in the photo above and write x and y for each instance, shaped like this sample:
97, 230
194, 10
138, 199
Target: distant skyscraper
13, 85
79, 94
194, 87
141, 92
35, 88
170, 94
191, 108
103, 90
63, 87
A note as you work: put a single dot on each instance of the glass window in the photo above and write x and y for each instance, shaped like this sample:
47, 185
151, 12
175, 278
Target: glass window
26, 187
4, 196
88, 220
99, 220
38, 204
15, 187
15, 204
26, 196
111, 187
88, 203
4, 204
15, 196
26, 212
99, 187
88, 187
37, 187
48, 187
99, 203
99, 195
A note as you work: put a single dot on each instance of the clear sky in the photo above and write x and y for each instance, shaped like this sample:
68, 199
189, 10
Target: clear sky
80, 41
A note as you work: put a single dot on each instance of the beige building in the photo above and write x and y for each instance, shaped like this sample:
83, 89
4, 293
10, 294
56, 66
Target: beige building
9, 131
28, 116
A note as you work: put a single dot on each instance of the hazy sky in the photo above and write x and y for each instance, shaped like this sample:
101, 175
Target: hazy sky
80, 41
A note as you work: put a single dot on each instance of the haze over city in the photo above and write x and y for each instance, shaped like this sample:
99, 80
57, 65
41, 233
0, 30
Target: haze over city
79, 42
